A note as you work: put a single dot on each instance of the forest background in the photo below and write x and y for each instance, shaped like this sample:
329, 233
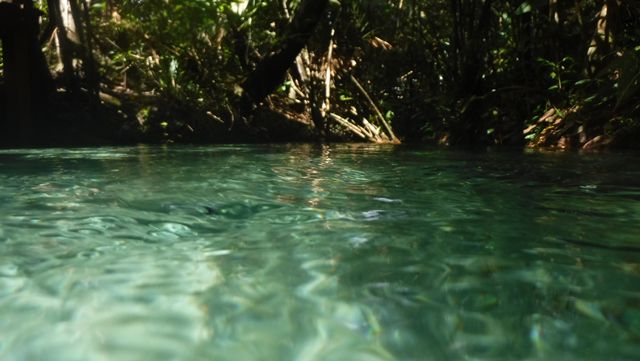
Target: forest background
473, 73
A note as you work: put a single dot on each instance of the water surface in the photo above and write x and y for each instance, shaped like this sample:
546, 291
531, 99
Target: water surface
307, 252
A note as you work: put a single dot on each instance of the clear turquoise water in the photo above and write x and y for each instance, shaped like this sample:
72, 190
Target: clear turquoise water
318, 253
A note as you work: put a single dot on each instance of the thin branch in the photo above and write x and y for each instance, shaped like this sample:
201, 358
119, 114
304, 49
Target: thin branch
392, 136
355, 129
295, 87
326, 105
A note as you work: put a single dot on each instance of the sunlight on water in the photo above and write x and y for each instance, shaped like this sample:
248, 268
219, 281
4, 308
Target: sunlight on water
309, 253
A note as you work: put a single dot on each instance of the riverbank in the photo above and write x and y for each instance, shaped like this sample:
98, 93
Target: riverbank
123, 117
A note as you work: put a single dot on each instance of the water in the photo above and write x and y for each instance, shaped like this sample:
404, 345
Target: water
308, 253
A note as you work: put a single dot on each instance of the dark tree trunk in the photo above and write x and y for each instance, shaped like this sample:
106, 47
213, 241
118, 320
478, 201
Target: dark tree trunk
65, 46
27, 79
74, 35
82, 19
271, 70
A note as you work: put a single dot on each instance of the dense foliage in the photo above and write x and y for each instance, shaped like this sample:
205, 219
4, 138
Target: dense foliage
463, 72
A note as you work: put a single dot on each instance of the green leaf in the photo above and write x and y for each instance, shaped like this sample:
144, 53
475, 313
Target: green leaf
546, 62
389, 115
524, 8
284, 87
528, 6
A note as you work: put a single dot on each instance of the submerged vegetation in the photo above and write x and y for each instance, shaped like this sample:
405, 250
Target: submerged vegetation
547, 73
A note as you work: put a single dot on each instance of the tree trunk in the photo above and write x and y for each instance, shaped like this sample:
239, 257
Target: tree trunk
271, 70
604, 37
91, 69
74, 42
65, 45
27, 78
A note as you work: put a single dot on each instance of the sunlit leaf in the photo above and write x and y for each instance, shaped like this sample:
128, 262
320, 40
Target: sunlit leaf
389, 115
528, 6
524, 8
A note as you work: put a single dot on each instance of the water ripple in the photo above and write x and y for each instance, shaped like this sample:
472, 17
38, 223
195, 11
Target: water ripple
308, 252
